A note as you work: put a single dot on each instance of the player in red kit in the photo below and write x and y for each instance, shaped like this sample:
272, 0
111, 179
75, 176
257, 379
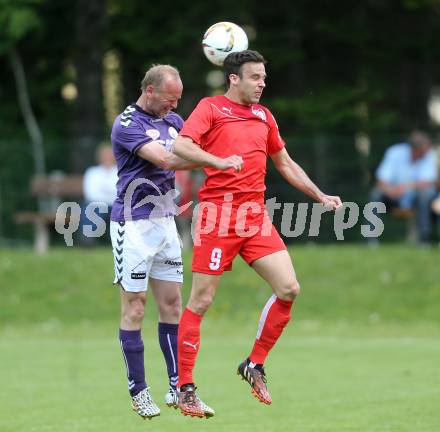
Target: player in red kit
234, 131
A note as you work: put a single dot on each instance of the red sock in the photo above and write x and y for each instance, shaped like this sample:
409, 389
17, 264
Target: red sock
275, 316
188, 343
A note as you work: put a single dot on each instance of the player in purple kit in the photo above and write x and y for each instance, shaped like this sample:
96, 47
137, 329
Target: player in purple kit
146, 245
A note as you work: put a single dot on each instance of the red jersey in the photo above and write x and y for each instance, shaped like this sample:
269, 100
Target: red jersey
224, 128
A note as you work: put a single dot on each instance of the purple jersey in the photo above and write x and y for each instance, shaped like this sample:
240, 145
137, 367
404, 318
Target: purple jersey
146, 183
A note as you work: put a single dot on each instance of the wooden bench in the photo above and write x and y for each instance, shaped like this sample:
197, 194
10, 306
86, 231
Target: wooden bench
50, 191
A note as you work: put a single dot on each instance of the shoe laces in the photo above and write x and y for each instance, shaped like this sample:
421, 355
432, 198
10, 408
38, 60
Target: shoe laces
190, 397
144, 396
261, 374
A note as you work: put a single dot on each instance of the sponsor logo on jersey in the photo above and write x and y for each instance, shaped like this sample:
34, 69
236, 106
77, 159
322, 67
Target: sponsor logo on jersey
173, 263
168, 143
154, 134
142, 275
228, 110
259, 113
173, 133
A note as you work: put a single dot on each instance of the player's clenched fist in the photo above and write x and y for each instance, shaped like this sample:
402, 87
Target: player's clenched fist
235, 162
331, 202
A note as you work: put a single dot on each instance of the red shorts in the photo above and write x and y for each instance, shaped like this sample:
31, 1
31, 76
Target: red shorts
221, 235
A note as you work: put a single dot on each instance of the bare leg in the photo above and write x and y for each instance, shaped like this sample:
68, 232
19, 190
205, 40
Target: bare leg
168, 299
277, 270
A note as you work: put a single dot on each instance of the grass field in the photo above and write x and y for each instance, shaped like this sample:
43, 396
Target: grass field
361, 354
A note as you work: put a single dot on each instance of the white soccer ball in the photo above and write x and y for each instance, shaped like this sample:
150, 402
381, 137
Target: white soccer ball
222, 39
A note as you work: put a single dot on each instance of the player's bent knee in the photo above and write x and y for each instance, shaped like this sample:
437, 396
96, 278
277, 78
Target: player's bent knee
134, 313
202, 304
171, 310
171, 302
296, 288
176, 309
290, 291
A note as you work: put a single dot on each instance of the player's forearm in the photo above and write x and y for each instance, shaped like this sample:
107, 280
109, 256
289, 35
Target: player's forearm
298, 178
175, 162
186, 149
156, 153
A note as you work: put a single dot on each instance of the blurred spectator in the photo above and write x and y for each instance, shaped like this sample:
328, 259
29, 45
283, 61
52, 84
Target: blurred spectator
99, 186
406, 180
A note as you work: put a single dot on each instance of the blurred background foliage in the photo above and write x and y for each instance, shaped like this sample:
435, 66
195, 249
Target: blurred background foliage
345, 80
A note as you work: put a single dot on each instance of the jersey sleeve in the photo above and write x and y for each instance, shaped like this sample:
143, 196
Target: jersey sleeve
131, 137
274, 141
199, 122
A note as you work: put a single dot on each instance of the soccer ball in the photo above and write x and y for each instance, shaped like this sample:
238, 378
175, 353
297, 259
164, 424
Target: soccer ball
222, 39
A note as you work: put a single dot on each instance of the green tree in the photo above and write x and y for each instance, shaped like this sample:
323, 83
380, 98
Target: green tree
17, 20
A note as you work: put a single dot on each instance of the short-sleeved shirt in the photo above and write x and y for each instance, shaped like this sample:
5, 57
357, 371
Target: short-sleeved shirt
99, 184
398, 168
224, 128
138, 177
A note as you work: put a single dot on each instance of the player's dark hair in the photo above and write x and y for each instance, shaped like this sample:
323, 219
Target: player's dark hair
233, 62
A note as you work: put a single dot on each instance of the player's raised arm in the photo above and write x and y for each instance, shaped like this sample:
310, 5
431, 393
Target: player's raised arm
297, 177
187, 149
